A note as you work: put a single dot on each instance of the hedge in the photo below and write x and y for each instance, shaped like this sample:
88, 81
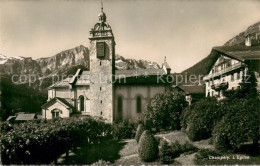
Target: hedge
42, 142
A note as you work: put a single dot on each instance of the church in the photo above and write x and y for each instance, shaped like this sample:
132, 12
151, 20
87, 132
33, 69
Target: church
103, 91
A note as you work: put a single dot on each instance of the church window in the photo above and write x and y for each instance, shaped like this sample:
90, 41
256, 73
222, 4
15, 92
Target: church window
100, 88
55, 113
81, 103
139, 104
120, 107
101, 101
100, 49
100, 63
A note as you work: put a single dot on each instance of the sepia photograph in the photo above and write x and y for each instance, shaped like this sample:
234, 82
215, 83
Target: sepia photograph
129, 82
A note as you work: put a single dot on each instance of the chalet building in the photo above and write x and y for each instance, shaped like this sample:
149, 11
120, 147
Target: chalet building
103, 91
231, 65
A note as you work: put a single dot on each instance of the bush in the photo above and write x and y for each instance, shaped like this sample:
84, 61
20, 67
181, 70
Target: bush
165, 111
123, 130
165, 153
200, 119
188, 148
240, 124
139, 132
148, 147
43, 141
168, 152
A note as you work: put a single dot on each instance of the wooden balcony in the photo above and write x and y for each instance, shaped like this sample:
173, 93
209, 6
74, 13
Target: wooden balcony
224, 71
220, 86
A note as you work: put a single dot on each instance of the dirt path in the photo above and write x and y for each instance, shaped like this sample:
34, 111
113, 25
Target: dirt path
186, 159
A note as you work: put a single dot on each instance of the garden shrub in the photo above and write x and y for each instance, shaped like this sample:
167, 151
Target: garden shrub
43, 141
139, 132
200, 119
165, 111
188, 148
240, 124
165, 153
148, 147
123, 130
168, 152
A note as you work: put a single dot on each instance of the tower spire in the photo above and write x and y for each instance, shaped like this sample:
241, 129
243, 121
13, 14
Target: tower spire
101, 6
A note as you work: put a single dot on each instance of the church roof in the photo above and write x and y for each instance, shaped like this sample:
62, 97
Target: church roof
241, 53
141, 77
136, 76
62, 83
55, 99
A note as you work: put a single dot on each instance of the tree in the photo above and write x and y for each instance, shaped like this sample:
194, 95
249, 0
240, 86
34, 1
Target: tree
239, 125
165, 111
248, 92
201, 117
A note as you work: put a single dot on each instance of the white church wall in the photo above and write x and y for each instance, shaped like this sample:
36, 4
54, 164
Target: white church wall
62, 92
130, 93
65, 113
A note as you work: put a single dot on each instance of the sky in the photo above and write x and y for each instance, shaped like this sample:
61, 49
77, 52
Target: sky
182, 30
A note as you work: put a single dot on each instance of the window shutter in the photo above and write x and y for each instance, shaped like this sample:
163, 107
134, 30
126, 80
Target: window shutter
100, 49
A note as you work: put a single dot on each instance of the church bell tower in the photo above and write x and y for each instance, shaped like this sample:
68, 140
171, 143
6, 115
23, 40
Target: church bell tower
102, 69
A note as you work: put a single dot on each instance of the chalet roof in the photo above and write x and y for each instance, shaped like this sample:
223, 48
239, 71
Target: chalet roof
25, 117
241, 53
55, 99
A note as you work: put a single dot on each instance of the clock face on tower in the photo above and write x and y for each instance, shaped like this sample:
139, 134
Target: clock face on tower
100, 49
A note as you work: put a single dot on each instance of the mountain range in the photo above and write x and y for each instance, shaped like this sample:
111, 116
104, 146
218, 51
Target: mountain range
62, 62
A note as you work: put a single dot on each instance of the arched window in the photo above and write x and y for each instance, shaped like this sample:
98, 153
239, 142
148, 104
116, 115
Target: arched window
139, 104
120, 107
82, 104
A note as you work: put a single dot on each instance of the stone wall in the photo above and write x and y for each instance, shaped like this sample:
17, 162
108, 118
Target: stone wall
102, 87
